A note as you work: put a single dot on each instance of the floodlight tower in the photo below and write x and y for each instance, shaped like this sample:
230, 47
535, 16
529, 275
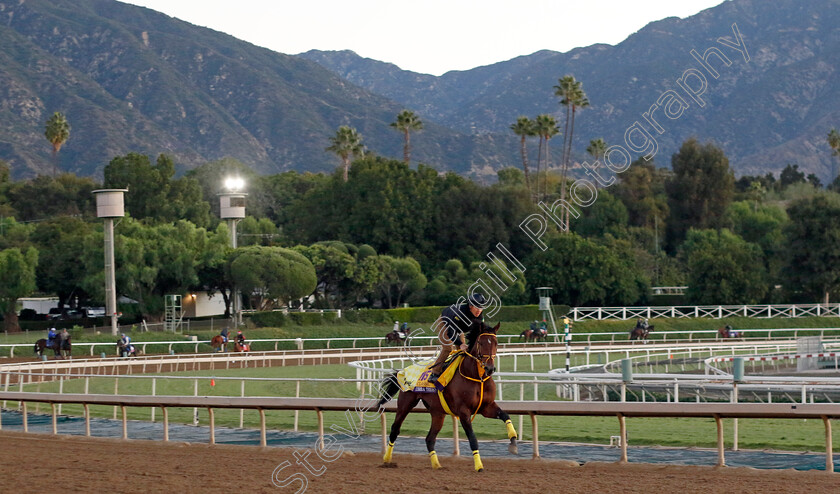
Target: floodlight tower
232, 209
110, 204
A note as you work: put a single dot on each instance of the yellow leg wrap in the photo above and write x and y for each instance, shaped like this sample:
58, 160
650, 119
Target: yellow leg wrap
510, 430
477, 460
388, 452
434, 458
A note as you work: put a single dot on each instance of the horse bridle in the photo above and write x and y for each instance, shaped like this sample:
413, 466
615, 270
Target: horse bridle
480, 360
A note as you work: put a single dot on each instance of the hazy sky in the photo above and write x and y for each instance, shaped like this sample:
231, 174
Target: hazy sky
429, 36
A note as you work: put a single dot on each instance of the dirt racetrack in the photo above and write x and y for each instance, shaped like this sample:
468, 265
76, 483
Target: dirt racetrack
110, 465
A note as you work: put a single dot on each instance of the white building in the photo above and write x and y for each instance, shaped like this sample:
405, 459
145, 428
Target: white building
41, 305
200, 304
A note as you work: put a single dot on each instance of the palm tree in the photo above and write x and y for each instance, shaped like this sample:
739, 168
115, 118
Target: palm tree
834, 142
57, 132
597, 148
346, 142
524, 128
546, 127
572, 97
406, 122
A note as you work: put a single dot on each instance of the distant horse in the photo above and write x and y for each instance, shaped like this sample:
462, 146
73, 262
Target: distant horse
240, 346
58, 347
534, 335
218, 343
126, 350
640, 333
471, 392
397, 337
727, 332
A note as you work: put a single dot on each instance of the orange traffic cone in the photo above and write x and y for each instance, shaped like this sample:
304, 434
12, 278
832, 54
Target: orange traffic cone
212, 381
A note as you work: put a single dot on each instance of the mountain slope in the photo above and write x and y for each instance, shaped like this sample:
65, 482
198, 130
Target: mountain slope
773, 109
131, 79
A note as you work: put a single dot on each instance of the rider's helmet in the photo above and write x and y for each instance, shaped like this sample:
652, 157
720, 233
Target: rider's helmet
477, 300
239, 332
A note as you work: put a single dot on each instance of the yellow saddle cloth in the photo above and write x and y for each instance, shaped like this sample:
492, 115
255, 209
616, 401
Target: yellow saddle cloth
416, 377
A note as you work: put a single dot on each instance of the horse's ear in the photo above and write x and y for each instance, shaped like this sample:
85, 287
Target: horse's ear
496, 328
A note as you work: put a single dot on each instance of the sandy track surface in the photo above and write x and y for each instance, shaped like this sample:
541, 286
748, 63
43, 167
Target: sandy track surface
113, 465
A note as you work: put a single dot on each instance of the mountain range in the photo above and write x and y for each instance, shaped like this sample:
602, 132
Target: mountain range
132, 79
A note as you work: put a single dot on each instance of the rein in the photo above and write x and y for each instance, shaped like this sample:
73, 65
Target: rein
479, 370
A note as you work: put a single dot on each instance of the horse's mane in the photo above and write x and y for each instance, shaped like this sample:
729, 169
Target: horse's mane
475, 332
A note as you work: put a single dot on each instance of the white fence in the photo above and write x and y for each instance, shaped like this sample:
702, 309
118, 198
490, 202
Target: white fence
713, 311
92, 349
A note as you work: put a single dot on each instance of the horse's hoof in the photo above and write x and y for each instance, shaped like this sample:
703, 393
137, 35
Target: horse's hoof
512, 448
480, 470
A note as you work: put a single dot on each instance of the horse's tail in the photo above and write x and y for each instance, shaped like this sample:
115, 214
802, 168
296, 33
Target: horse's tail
389, 387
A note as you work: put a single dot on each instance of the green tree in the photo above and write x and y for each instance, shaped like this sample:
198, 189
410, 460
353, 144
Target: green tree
17, 279
723, 268
700, 190
546, 127
61, 244
764, 227
833, 139
47, 197
57, 133
401, 278
597, 148
154, 193
813, 247
573, 97
211, 270
524, 128
407, 122
791, 175
642, 190
607, 215
271, 274
346, 142
584, 272
510, 176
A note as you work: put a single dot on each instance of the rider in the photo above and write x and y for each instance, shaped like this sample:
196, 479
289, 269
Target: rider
50, 337
543, 328
404, 328
125, 340
224, 335
454, 322
64, 336
240, 338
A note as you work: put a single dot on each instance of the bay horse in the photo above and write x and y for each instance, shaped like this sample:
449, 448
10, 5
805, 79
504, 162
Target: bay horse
126, 351
640, 333
533, 335
58, 347
470, 392
218, 343
397, 336
240, 347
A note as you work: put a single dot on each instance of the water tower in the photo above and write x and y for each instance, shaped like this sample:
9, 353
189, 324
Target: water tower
232, 209
110, 204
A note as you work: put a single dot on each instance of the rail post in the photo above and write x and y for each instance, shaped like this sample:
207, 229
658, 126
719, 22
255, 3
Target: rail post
212, 426
124, 422
384, 421
320, 427
829, 454
719, 424
87, 420
54, 419
536, 438
25, 418
165, 423
262, 427
456, 451
622, 430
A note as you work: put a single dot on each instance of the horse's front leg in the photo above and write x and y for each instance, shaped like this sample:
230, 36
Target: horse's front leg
431, 438
467, 425
493, 411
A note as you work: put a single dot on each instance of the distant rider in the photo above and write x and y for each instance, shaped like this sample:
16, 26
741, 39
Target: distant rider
453, 324
224, 335
50, 337
240, 338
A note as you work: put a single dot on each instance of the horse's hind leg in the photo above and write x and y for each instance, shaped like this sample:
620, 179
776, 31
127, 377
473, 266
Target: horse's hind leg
405, 403
494, 412
431, 438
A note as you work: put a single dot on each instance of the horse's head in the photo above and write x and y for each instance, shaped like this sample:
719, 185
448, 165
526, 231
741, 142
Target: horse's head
483, 347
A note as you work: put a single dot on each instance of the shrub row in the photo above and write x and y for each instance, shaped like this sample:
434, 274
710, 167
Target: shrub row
425, 315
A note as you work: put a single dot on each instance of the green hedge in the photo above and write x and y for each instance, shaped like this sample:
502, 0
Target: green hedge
423, 315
